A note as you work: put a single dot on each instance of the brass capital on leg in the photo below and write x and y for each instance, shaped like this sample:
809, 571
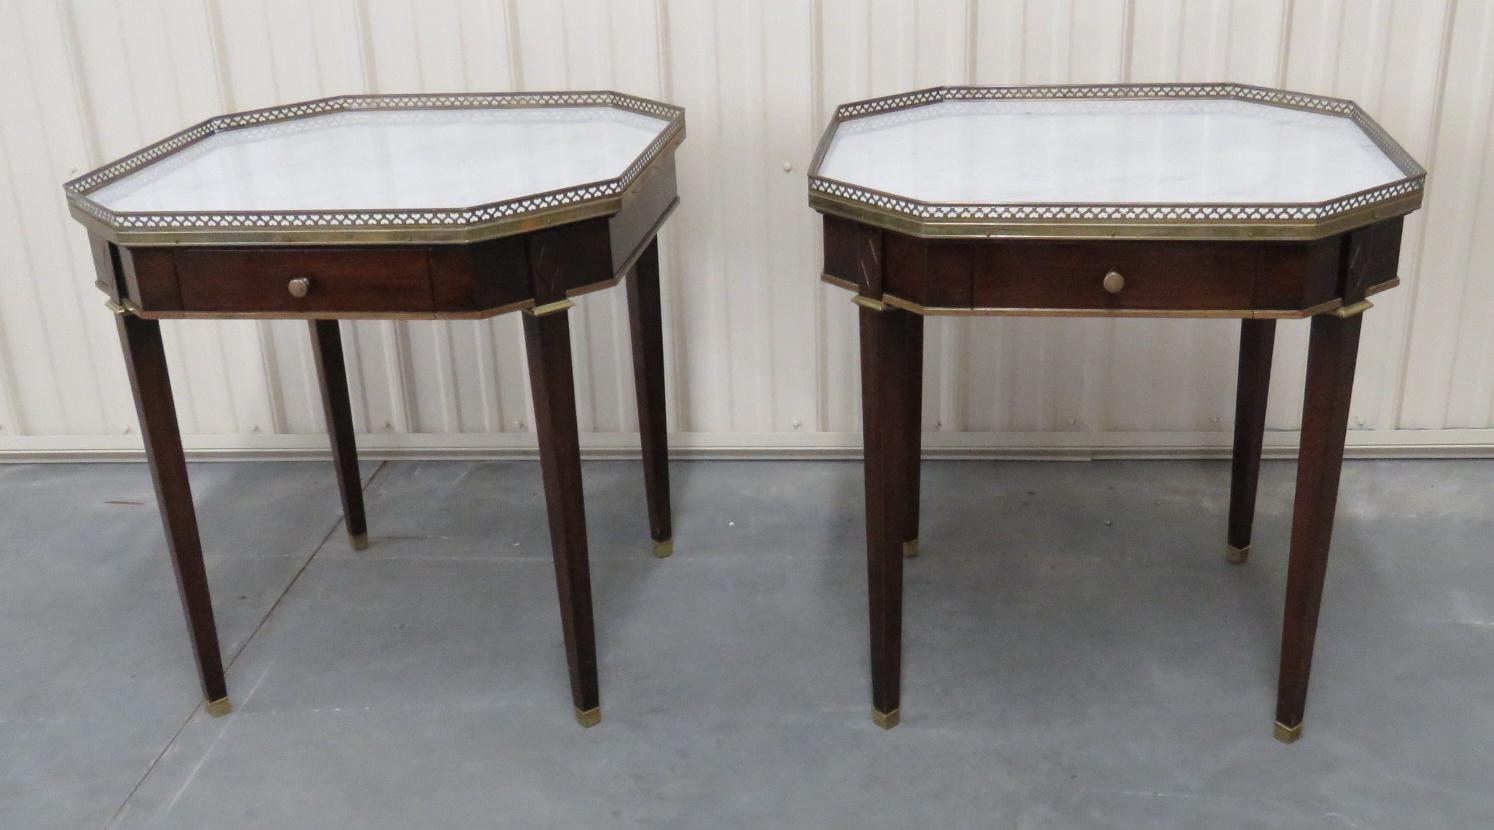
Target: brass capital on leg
887, 720
1236, 556
220, 707
910, 548
359, 541
589, 718
664, 548
550, 308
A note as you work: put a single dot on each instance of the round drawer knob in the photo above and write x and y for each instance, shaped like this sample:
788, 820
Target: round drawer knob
1114, 282
300, 285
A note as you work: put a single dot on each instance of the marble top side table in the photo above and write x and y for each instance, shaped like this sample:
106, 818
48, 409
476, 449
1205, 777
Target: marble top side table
395, 206
1147, 200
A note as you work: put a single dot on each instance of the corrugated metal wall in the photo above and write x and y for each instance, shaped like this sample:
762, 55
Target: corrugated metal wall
759, 354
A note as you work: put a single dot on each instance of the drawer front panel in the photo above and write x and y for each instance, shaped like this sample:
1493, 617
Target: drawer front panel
309, 280
1166, 277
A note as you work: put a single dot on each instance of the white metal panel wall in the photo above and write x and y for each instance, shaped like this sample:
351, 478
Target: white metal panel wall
758, 352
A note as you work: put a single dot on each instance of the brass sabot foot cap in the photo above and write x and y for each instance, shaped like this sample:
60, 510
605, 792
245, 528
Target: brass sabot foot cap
220, 707
1236, 556
664, 548
886, 720
359, 541
589, 718
1286, 734
910, 548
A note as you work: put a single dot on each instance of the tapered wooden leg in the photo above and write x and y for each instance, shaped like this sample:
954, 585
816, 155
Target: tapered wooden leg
326, 345
890, 347
1331, 356
645, 319
145, 358
1257, 339
913, 423
548, 341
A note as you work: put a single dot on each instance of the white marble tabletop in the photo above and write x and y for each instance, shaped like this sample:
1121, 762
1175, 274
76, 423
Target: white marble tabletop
389, 159
1165, 151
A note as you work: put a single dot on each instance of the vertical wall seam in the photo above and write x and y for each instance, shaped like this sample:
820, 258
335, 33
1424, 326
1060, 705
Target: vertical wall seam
83, 104
10, 389
1284, 51
673, 243
1403, 358
360, 371
30, 271
214, 332
511, 33
82, 98
1177, 64
511, 36
483, 344
1410, 29
1481, 165
721, 298
817, 110
764, 135
415, 46
392, 338
461, 44
972, 25
75, 288
269, 353
617, 305
487, 333
365, 46
1338, 47
10, 395
447, 381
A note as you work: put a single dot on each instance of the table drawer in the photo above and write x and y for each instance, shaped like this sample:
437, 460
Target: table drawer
309, 280
1170, 276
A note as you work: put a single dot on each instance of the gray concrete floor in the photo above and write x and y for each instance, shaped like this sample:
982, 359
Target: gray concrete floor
1076, 653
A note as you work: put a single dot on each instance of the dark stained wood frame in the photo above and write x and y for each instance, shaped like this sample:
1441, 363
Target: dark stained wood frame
647, 329
535, 272
326, 348
1257, 342
899, 278
145, 360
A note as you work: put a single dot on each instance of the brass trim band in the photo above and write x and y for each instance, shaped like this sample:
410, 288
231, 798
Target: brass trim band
1335, 306
483, 314
550, 308
1353, 310
1300, 230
